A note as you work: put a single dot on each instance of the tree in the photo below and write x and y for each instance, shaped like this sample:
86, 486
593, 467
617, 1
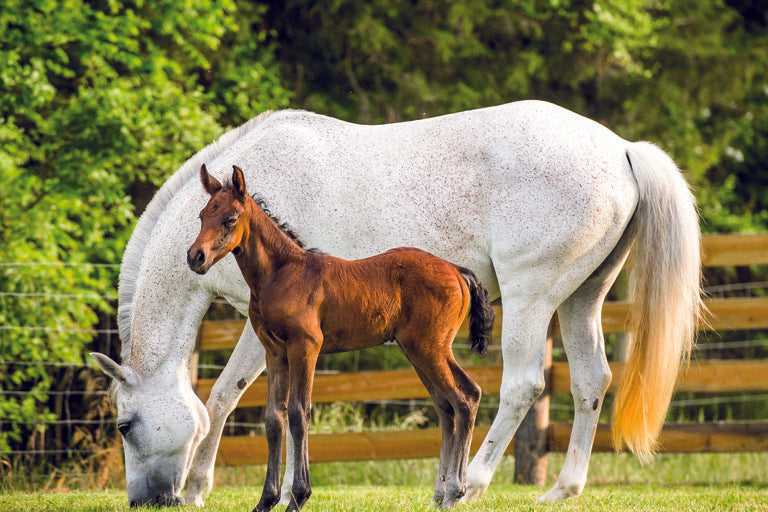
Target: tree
97, 98
681, 74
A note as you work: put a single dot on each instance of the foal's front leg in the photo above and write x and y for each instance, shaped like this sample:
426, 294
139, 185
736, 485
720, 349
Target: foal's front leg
275, 421
302, 360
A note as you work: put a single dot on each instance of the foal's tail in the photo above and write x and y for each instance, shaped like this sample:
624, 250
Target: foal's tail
481, 313
665, 287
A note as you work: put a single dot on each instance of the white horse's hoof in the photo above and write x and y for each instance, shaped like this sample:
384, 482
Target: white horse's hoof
477, 484
559, 492
194, 495
199, 484
194, 500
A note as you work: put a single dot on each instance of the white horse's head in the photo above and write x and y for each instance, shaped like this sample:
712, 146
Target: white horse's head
162, 422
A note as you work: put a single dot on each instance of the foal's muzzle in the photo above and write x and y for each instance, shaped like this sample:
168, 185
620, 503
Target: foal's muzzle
196, 260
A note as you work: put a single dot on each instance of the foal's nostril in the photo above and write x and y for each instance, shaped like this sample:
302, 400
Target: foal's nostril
195, 258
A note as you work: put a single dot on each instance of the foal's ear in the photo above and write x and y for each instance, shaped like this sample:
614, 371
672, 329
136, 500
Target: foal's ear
210, 183
238, 184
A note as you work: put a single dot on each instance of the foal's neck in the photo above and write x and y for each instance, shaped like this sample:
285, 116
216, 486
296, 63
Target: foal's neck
264, 248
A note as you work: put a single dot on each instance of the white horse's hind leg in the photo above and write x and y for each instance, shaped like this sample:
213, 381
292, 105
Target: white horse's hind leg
244, 365
580, 325
524, 332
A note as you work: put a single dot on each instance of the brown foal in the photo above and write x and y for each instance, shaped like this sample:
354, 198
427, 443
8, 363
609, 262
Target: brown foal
303, 304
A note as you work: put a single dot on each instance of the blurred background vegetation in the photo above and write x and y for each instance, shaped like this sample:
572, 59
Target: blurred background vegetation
102, 100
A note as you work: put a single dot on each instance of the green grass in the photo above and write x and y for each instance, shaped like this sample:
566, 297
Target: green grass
679, 483
391, 498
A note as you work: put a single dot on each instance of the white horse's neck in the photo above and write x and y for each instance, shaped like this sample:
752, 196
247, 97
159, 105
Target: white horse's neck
140, 246
166, 318
169, 299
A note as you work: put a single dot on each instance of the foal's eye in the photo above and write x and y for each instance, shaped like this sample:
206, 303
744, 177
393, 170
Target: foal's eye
123, 427
230, 222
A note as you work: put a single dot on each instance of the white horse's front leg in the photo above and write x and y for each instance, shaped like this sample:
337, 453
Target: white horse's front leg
524, 332
244, 365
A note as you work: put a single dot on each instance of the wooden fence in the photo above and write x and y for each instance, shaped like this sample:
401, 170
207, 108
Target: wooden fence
709, 376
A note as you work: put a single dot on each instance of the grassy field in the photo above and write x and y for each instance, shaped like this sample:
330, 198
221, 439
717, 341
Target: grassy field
679, 483
390, 498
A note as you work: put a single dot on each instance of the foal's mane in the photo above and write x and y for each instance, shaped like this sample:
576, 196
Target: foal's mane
134, 251
283, 226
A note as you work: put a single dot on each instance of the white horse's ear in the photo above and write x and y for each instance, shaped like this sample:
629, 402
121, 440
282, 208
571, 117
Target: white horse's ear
109, 367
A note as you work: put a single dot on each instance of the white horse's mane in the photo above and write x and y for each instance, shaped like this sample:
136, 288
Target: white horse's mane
134, 251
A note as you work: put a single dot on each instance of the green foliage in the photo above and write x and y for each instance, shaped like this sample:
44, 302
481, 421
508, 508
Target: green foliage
391, 61
97, 98
737, 196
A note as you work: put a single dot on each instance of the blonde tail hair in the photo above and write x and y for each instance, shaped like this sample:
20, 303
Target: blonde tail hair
665, 288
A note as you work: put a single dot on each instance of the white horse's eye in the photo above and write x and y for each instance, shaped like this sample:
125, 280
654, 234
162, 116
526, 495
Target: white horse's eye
123, 427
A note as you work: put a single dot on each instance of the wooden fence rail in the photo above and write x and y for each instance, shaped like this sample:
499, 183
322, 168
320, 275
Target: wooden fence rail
727, 314
707, 376
715, 376
712, 437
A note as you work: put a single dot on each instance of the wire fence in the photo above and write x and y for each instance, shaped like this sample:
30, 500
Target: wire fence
69, 400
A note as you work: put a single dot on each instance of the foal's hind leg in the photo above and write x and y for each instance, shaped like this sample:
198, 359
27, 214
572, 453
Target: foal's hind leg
582, 334
466, 402
456, 399
447, 424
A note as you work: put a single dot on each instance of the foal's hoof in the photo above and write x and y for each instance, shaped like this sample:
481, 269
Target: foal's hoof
298, 500
437, 499
266, 504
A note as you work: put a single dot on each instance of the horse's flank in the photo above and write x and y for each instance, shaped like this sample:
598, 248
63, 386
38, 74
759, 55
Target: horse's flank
134, 251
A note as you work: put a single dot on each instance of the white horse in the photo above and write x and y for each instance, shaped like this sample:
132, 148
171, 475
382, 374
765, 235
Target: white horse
543, 204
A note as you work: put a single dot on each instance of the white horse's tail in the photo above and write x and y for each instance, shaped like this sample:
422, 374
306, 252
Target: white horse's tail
665, 287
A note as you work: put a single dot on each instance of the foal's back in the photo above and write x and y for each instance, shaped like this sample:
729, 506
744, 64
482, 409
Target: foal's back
364, 303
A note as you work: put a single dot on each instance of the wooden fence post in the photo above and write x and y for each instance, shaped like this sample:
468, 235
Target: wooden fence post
531, 444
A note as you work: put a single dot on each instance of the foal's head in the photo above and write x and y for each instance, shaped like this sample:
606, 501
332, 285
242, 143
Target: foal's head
222, 221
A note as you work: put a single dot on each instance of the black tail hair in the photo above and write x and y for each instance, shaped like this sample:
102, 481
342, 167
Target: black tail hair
481, 313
